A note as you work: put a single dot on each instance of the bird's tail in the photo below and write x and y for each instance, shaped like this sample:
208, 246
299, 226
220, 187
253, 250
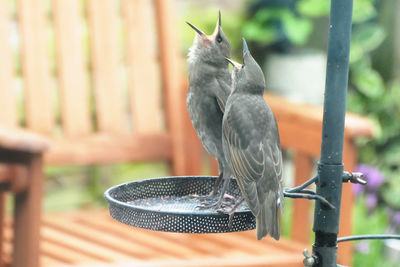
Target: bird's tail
267, 220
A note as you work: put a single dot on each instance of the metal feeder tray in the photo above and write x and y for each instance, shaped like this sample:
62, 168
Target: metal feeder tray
167, 204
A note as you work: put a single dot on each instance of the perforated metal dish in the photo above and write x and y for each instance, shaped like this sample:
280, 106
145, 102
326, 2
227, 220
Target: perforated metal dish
166, 204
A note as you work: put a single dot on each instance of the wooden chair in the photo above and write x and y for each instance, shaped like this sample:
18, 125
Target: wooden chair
102, 81
21, 158
100, 117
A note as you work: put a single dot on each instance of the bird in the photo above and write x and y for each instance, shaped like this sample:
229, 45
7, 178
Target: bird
251, 145
209, 87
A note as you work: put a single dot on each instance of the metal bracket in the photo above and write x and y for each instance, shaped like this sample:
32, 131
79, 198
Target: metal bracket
354, 177
309, 260
301, 192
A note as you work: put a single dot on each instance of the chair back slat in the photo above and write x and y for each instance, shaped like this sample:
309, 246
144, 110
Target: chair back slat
78, 71
37, 83
105, 63
71, 67
8, 114
172, 80
142, 65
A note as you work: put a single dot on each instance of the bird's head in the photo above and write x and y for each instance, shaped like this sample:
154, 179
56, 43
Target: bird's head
211, 49
248, 76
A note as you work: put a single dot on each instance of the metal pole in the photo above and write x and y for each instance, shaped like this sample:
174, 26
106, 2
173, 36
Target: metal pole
330, 167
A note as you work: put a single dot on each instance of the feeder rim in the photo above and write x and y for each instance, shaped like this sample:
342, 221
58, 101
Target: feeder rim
112, 201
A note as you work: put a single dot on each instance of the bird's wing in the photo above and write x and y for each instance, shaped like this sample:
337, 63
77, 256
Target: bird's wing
257, 164
276, 157
275, 179
247, 165
223, 93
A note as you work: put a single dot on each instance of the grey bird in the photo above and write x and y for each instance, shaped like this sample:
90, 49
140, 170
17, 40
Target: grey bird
209, 88
252, 146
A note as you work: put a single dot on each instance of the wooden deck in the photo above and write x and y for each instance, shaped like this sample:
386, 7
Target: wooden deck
80, 239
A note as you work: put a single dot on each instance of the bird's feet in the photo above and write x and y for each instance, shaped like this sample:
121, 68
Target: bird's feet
222, 201
213, 194
205, 198
230, 210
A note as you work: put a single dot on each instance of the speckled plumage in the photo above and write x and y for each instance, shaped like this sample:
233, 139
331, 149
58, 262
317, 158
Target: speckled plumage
252, 146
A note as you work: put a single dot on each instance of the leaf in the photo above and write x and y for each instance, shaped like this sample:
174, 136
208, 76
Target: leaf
367, 152
378, 129
361, 64
268, 14
363, 10
394, 96
313, 8
369, 82
355, 102
392, 155
391, 192
369, 36
366, 223
255, 32
297, 29
356, 52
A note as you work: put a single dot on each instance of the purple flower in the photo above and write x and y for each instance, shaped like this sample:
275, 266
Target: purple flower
357, 189
396, 218
373, 176
363, 247
371, 201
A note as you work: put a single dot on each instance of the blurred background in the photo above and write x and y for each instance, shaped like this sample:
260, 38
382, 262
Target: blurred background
288, 39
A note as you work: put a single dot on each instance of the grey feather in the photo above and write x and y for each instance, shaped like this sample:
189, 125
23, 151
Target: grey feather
252, 146
209, 88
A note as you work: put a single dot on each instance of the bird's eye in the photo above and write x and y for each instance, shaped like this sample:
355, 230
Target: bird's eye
219, 39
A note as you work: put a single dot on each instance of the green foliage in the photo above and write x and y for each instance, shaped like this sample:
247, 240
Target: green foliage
297, 29
368, 82
371, 96
365, 38
268, 24
205, 18
287, 219
313, 8
257, 29
367, 223
363, 10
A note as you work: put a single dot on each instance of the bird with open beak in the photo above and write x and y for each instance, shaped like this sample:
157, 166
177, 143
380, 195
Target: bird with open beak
252, 146
209, 88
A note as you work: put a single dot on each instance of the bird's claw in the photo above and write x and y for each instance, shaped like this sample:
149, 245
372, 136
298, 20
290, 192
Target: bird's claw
215, 205
229, 212
220, 204
202, 197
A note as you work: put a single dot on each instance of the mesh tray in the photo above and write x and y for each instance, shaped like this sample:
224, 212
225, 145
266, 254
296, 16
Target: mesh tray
164, 204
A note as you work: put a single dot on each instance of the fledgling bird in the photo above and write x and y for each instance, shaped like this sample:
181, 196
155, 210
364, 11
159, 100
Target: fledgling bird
209, 88
252, 146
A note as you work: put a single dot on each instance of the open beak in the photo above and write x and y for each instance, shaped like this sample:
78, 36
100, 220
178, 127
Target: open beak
218, 26
234, 63
196, 29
